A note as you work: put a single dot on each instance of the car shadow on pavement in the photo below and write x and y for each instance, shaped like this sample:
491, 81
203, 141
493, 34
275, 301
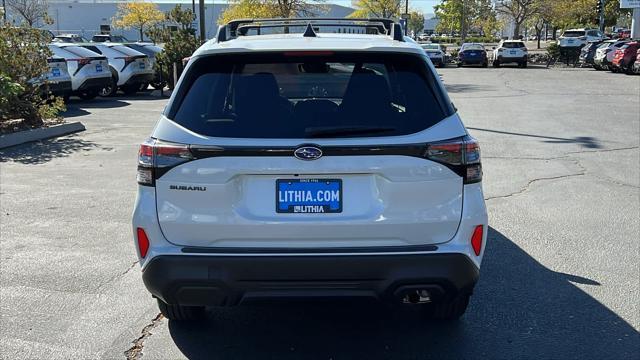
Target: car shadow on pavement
97, 103
462, 88
44, 151
520, 309
584, 141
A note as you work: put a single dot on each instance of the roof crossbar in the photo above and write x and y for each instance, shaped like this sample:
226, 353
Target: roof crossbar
240, 27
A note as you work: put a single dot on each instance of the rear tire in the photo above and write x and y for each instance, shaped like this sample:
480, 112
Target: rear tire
181, 312
449, 310
496, 64
485, 64
459, 64
524, 64
110, 90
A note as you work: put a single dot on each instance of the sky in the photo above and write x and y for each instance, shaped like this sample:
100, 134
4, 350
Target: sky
426, 6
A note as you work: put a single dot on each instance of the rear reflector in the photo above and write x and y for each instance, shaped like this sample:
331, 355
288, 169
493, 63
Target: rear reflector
476, 240
143, 242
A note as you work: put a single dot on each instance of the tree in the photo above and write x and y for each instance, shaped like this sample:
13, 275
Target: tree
377, 8
517, 10
178, 44
415, 22
464, 15
32, 11
242, 9
138, 15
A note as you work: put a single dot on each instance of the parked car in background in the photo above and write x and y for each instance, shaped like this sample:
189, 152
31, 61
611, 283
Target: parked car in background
109, 38
151, 50
510, 51
588, 52
129, 68
636, 64
69, 38
604, 53
58, 78
623, 33
576, 38
89, 71
624, 57
436, 54
423, 37
472, 54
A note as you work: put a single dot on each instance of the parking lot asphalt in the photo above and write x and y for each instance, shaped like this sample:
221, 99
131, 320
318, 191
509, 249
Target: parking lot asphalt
560, 278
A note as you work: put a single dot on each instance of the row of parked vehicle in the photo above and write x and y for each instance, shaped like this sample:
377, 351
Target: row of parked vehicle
622, 55
506, 52
89, 69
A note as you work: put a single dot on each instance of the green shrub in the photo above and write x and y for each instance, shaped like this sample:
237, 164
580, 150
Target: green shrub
178, 44
23, 65
553, 49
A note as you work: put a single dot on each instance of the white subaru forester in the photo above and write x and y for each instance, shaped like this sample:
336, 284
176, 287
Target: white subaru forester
315, 158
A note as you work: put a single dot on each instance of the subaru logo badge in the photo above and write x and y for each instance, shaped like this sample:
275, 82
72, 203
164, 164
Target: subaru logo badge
307, 153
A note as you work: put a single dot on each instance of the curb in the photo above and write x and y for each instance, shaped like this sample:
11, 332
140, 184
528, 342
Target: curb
26, 136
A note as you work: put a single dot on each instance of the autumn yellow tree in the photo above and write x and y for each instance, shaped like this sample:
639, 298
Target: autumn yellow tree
243, 9
137, 15
376, 8
249, 9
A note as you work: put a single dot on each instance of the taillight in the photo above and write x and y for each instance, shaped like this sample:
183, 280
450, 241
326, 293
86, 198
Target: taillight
156, 157
460, 155
127, 60
81, 63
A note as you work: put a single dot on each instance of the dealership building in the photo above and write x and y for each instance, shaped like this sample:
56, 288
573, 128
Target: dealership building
85, 17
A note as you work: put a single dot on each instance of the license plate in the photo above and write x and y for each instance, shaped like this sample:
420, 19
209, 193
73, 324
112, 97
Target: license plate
55, 72
141, 65
472, 54
309, 196
98, 68
512, 52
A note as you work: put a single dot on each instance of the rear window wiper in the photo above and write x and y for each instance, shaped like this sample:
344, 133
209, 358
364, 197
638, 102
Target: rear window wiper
330, 131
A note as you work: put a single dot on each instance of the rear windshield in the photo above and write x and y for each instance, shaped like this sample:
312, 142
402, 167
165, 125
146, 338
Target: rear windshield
431, 47
472, 47
513, 45
573, 33
77, 51
294, 95
125, 50
150, 50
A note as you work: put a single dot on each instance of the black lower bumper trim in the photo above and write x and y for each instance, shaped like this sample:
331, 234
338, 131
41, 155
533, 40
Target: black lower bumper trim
94, 84
231, 280
61, 88
139, 79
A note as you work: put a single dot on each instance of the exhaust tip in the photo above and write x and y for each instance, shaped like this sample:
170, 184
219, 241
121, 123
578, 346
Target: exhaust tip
421, 296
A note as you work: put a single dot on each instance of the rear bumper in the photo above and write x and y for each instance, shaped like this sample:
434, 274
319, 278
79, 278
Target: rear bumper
515, 59
232, 280
94, 84
472, 61
139, 79
60, 88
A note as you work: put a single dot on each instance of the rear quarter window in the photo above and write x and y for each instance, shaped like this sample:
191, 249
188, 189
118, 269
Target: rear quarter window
276, 95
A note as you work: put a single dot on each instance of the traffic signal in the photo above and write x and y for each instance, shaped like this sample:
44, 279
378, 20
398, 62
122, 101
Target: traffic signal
599, 7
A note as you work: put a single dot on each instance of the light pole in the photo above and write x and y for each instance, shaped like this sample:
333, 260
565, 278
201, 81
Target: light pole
4, 11
201, 18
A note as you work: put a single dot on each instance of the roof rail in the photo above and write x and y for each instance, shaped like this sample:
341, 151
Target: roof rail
240, 27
